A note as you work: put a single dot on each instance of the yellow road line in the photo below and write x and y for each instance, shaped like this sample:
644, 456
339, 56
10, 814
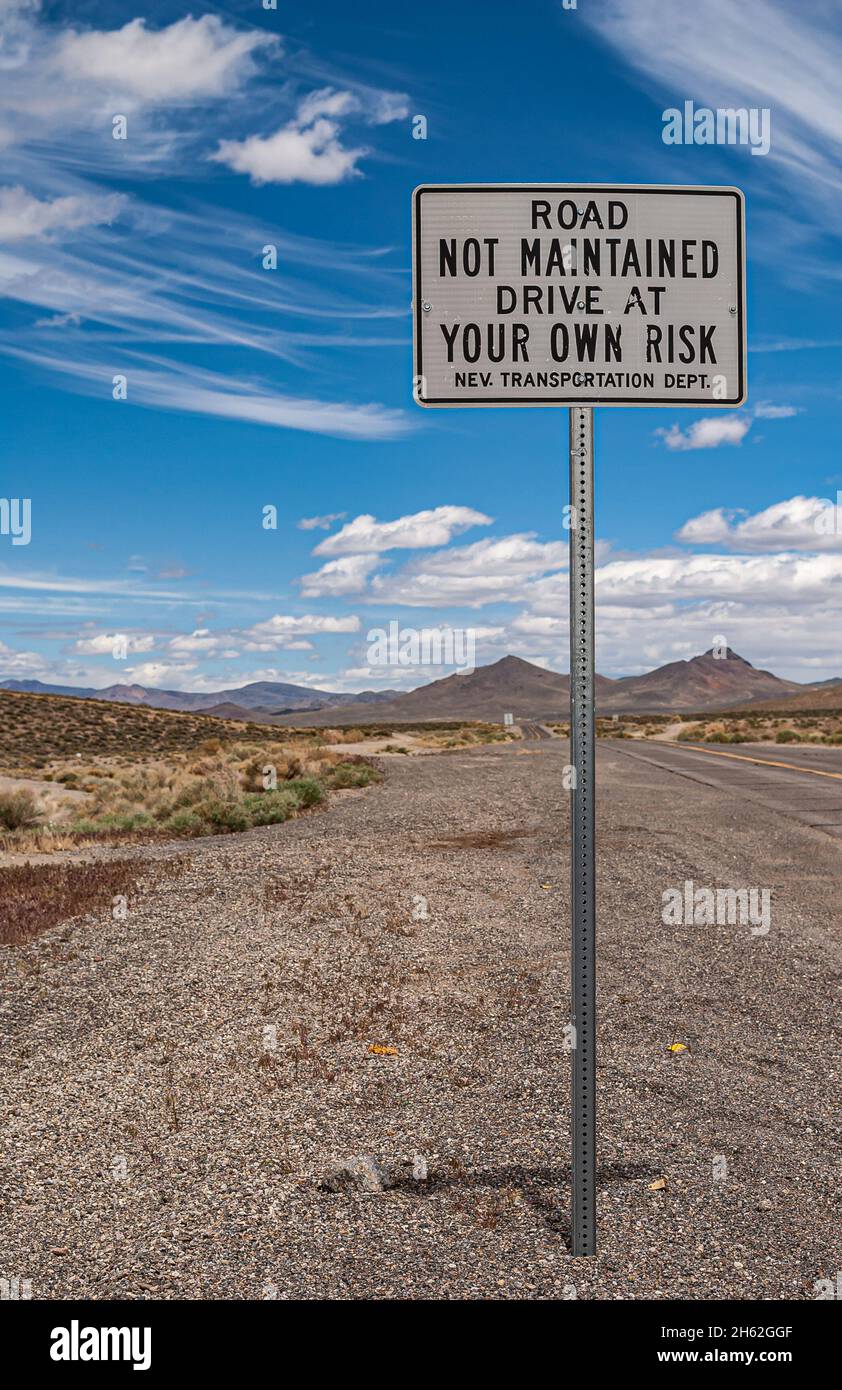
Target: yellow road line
744, 758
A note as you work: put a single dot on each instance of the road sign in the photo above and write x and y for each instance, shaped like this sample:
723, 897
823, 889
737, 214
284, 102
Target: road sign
563, 294
579, 295
508, 719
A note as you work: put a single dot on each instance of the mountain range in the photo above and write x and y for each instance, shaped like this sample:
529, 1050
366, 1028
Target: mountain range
702, 684
266, 698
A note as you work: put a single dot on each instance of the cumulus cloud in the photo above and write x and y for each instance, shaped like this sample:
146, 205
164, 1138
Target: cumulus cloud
280, 629
436, 526
22, 215
800, 523
102, 644
708, 433
309, 148
472, 575
202, 642
347, 575
188, 60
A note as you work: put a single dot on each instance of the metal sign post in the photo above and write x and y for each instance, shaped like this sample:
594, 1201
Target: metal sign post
577, 295
583, 859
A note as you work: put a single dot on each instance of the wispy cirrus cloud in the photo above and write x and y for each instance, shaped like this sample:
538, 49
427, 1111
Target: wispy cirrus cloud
190, 390
764, 53
107, 271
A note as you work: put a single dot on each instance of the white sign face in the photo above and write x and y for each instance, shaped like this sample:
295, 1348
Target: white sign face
559, 294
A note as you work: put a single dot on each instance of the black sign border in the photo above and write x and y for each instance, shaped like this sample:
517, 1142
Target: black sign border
705, 402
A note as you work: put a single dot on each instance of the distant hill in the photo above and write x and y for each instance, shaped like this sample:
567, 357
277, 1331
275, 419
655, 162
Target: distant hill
825, 695
528, 691
35, 728
703, 683
509, 685
271, 697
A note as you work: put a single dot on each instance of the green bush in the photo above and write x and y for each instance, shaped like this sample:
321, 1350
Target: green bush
352, 775
270, 808
18, 810
185, 822
307, 790
223, 815
786, 736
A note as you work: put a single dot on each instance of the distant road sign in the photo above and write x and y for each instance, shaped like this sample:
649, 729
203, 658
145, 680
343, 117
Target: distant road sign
508, 719
565, 294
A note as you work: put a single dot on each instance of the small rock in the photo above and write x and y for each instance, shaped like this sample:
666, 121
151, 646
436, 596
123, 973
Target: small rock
365, 1173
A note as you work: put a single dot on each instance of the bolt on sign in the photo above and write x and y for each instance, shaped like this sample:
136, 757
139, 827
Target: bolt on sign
557, 294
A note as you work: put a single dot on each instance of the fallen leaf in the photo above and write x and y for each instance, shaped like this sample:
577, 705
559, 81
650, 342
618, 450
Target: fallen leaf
383, 1050
658, 1185
677, 1047
546, 885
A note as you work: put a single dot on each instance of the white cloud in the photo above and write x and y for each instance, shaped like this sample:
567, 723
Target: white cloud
765, 53
708, 433
159, 673
210, 393
487, 571
22, 215
103, 643
189, 60
16, 665
320, 523
436, 526
309, 148
203, 642
280, 629
766, 410
347, 575
800, 523
312, 155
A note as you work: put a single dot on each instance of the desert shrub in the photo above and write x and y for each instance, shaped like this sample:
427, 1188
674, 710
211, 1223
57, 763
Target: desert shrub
223, 815
351, 775
307, 791
18, 810
786, 736
184, 822
833, 738
252, 774
270, 808
125, 820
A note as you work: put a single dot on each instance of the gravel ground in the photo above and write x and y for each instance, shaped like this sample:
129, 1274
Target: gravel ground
177, 1083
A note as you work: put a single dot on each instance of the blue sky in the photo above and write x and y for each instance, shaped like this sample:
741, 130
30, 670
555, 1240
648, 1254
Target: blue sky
291, 387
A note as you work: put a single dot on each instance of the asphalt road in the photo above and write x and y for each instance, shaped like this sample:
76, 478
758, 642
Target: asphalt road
532, 730
798, 783
390, 977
